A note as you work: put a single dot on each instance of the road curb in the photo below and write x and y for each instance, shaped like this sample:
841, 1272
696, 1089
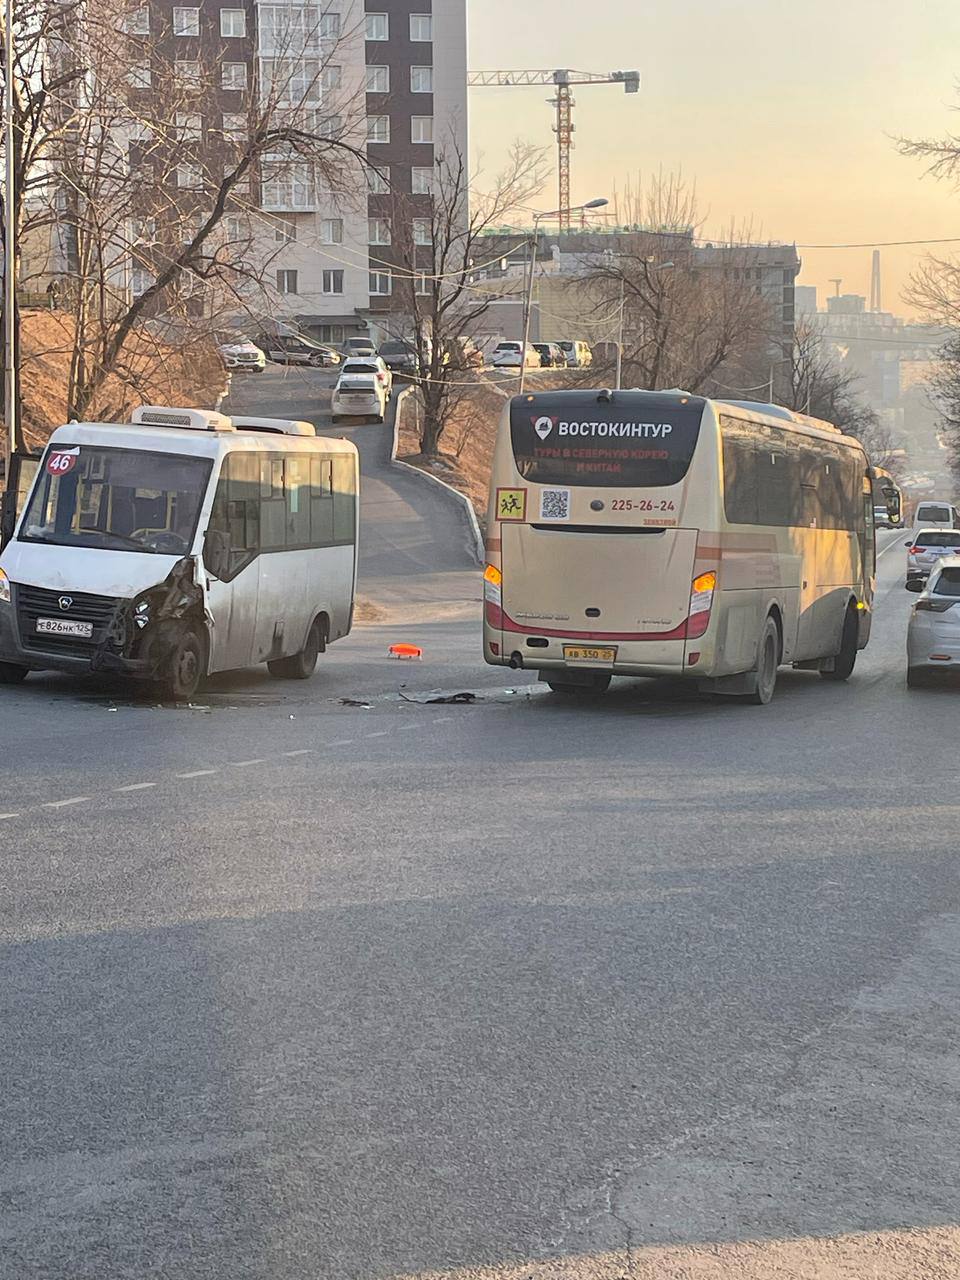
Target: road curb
463, 503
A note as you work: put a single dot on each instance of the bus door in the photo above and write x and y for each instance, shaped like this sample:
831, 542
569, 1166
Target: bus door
234, 592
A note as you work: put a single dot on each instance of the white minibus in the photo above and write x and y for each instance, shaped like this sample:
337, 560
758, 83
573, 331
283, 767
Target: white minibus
660, 533
181, 544
936, 515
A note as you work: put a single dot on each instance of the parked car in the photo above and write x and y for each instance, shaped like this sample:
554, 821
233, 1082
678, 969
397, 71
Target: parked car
547, 358
933, 634
294, 348
935, 515
359, 395
925, 550
370, 364
577, 353
238, 352
359, 347
400, 357
510, 355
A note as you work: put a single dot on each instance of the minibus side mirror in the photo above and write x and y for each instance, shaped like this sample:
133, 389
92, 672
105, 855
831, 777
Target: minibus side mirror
216, 552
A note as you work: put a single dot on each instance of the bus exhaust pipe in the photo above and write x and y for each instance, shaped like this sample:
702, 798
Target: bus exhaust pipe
516, 662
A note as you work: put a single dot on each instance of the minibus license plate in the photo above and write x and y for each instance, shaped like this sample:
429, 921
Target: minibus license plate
591, 653
60, 627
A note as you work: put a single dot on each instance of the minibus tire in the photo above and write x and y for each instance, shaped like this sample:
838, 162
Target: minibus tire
185, 668
846, 659
12, 673
299, 666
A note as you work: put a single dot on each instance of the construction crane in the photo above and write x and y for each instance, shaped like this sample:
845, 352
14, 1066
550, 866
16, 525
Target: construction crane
564, 102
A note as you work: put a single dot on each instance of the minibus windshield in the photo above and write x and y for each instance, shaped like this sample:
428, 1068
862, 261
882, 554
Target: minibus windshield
116, 500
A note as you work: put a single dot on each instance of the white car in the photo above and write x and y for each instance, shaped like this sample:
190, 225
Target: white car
933, 636
238, 352
370, 364
935, 515
926, 548
507, 355
359, 395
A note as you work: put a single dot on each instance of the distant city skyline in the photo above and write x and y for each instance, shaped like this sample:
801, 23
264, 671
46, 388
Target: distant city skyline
783, 116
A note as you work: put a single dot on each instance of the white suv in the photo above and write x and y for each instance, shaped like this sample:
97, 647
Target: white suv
926, 548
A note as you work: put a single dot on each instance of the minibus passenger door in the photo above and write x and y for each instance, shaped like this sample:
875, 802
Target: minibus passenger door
230, 556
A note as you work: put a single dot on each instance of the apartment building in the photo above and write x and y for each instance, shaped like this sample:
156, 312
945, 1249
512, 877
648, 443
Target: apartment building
388, 77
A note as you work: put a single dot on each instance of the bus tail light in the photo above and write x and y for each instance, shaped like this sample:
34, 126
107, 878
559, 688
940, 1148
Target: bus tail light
701, 604
493, 596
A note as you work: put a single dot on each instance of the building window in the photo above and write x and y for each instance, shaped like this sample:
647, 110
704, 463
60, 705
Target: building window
332, 282
331, 231
378, 79
422, 231
234, 124
380, 284
331, 77
140, 280
189, 177
189, 228
421, 283
137, 22
187, 73
186, 22
330, 127
421, 79
286, 282
144, 230
378, 26
330, 26
421, 128
421, 181
233, 75
421, 26
233, 24
379, 230
378, 128
139, 75
233, 226
189, 126
378, 181
287, 186
284, 232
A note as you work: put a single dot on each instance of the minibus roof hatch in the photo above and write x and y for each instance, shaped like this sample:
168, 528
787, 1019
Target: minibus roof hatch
155, 415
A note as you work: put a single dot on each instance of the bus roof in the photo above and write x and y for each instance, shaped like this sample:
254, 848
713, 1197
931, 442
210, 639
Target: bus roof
188, 440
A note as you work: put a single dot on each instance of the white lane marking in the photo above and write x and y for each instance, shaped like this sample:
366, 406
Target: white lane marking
305, 751
378, 735
3, 816
62, 804
344, 742
246, 764
136, 786
889, 547
441, 719
199, 773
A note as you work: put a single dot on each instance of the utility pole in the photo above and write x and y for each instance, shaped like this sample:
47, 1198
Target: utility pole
623, 299
9, 258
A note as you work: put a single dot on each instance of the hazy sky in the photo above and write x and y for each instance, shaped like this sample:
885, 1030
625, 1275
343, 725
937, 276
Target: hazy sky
781, 112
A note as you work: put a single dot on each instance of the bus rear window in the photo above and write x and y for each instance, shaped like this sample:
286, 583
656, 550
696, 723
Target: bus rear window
638, 440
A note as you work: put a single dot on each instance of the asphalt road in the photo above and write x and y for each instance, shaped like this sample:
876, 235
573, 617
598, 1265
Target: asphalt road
646, 986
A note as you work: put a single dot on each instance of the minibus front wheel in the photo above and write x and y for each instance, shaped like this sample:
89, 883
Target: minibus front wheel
185, 667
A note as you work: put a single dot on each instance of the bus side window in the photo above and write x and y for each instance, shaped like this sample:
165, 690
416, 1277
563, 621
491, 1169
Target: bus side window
739, 474
344, 498
236, 509
273, 507
321, 501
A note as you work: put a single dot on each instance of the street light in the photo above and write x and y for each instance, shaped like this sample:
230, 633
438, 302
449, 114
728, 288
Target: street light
528, 299
663, 266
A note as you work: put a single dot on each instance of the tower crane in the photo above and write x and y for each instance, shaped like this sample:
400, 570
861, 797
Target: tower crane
564, 80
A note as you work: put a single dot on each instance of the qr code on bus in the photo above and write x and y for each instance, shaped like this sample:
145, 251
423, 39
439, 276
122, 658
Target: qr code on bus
554, 504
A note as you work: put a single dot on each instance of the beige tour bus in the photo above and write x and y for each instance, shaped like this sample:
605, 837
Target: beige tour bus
641, 533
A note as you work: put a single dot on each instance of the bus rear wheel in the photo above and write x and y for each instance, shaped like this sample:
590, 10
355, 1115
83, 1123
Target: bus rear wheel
598, 683
300, 666
846, 659
768, 661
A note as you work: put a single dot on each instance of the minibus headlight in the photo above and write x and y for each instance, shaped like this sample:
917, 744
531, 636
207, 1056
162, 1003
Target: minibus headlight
4, 588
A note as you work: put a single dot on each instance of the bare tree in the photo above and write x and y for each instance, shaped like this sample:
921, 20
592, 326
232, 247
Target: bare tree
688, 311
440, 247
155, 183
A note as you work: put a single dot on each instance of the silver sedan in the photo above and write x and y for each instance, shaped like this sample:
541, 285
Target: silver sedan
933, 636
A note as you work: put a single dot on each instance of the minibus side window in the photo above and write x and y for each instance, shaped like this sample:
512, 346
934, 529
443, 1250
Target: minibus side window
236, 509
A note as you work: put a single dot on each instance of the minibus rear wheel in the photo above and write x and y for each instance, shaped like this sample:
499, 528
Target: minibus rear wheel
301, 666
11, 673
